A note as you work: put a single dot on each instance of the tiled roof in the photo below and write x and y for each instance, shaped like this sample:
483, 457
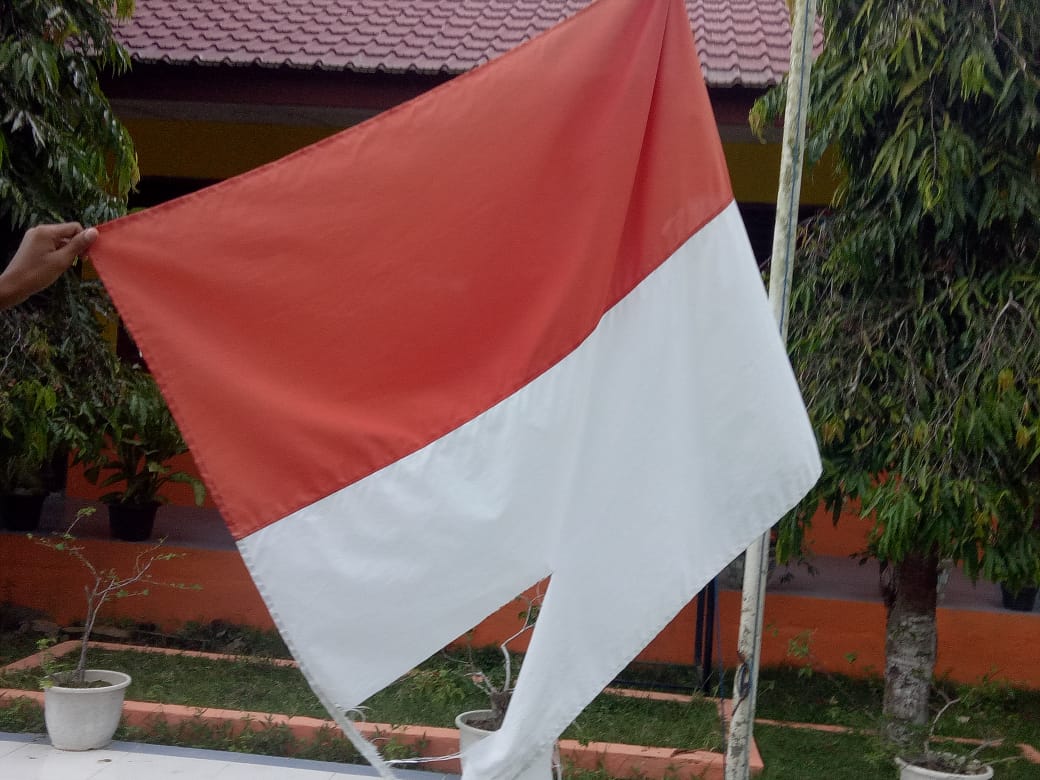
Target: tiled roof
741, 42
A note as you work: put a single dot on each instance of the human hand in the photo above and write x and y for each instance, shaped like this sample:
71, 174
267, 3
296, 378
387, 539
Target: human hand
45, 253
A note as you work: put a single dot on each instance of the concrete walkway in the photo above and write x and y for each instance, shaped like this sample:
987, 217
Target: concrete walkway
31, 757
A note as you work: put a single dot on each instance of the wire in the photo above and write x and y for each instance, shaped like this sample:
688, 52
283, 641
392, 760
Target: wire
423, 759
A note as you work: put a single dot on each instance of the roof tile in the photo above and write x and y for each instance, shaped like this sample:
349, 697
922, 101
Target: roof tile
741, 42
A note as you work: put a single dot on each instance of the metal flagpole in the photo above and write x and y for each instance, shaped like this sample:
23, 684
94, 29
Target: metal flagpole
756, 558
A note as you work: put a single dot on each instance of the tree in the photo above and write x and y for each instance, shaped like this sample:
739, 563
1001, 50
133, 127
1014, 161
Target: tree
63, 156
63, 153
915, 324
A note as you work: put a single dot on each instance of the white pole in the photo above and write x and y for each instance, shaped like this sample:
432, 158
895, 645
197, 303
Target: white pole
756, 558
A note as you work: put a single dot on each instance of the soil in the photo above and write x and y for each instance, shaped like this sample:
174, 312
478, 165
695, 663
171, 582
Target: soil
489, 723
938, 763
91, 684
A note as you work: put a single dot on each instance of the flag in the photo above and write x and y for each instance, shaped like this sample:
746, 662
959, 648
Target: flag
510, 329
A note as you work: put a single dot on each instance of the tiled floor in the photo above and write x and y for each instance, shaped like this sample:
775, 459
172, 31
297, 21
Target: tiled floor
29, 757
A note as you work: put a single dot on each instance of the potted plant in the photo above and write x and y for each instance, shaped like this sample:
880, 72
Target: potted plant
1020, 577
937, 765
476, 725
82, 706
1021, 599
26, 446
927, 763
137, 436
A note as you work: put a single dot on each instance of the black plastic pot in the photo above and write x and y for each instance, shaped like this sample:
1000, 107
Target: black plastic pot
1023, 601
56, 472
22, 512
132, 522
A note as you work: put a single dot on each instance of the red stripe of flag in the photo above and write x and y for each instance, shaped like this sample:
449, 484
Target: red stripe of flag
326, 315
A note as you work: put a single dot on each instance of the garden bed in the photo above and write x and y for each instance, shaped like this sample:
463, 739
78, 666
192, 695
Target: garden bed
810, 724
197, 698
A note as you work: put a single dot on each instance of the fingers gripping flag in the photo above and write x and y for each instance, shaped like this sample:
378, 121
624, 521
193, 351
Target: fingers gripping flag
510, 329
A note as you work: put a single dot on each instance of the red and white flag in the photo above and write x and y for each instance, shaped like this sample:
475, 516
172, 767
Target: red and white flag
510, 329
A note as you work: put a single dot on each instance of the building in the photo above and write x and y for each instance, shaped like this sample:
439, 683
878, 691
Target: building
219, 87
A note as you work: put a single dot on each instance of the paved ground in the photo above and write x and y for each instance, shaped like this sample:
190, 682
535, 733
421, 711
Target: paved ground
30, 757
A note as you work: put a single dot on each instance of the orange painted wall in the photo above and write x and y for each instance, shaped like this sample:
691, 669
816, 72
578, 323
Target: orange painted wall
44, 579
836, 636
846, 537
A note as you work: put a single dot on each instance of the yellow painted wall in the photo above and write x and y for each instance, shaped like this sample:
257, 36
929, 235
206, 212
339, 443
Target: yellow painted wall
754, 169
218, 150
214, 150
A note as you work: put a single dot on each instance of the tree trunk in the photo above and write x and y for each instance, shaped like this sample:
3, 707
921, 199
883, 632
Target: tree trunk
910, 642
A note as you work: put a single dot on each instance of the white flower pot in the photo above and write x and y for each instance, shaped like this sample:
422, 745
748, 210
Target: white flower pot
540, 769
911, 772
85, 718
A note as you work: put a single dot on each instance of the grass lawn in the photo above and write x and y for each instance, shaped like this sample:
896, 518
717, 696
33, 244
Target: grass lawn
432, 696
14, 646
438, 690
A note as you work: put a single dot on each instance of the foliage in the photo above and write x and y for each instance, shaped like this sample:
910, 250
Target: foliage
63, 156
56, 359
25, 434
259, 737
22, 715
63, 153
927, 405
135, 437
916, 314
104, 584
